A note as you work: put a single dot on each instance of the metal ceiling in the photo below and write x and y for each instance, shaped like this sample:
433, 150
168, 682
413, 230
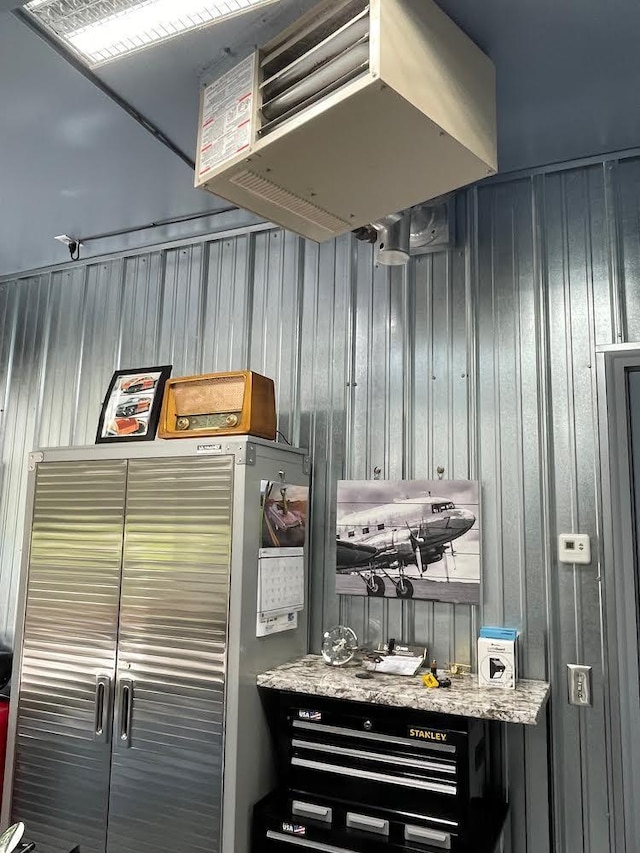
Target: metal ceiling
71, 160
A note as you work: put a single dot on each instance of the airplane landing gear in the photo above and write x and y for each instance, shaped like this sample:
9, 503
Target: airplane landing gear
375, 586
404, 588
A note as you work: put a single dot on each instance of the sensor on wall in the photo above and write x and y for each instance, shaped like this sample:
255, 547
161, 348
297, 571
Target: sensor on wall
574, 548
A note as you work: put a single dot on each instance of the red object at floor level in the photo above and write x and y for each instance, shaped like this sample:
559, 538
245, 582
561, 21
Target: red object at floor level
4, 725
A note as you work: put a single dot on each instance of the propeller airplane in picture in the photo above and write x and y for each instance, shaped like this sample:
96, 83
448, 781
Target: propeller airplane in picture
381, 542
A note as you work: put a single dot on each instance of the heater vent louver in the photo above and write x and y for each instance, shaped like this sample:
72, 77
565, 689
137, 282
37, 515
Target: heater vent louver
267, 190
319, 60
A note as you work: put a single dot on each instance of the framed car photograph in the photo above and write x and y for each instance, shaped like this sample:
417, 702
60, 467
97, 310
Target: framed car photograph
131, 409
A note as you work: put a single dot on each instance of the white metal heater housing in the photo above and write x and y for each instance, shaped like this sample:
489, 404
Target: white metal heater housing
359, 109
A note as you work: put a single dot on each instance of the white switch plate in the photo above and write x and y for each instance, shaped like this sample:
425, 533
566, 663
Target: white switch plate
574, 548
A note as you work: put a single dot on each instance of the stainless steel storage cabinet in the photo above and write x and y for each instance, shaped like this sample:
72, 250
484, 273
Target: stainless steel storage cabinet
136, 723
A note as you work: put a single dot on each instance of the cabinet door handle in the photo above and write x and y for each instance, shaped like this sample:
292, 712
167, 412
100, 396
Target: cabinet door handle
125, 711
102, 723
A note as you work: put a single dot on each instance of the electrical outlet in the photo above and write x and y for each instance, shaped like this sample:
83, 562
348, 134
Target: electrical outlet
579, 683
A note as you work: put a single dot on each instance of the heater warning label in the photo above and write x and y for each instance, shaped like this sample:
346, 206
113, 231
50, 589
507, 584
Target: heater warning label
227, 109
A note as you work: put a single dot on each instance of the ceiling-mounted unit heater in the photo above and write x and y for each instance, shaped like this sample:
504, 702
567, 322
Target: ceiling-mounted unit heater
360, 109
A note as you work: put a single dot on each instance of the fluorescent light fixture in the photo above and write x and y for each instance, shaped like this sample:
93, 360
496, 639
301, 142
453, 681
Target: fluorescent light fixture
102, 30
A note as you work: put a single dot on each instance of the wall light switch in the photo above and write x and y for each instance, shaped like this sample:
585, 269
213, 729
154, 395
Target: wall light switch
579, 683
574, 548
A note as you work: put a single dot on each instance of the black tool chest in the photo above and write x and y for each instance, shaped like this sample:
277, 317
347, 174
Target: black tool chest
356, 777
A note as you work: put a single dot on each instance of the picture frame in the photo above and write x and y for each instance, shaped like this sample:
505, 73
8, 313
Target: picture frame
409, 539
131, 408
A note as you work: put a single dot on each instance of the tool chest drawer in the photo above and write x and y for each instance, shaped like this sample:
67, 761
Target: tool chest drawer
394, 758
293, 822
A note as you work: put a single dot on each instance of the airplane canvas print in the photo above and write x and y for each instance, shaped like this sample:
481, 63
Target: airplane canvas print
409, 539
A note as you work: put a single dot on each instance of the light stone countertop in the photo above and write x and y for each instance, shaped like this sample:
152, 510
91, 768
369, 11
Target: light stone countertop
310, 675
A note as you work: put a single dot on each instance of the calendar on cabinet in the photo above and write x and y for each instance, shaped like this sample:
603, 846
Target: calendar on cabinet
280, 582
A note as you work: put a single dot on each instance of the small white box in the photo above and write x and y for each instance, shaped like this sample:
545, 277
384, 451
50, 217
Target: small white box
497, 663
574, 548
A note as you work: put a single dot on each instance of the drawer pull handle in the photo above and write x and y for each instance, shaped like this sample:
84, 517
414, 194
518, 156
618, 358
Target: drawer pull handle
422, 784
396, 760
424, 835
312, 811
357, 735
297, 841
367, 823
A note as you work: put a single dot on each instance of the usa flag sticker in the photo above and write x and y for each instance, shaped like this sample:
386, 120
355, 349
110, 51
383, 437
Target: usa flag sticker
314, 716
294, 828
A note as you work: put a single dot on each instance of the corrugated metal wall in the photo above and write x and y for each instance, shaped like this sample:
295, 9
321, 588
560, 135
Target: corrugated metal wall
480, 360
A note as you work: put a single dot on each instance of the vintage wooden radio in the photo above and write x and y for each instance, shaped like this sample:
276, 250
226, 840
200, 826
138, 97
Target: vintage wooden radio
240, 403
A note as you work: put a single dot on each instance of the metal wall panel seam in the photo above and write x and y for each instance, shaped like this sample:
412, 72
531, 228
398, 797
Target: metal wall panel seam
12, 298
294, 427
449, 386
290, 354
396, 379
408, 410
197, 279
471, 336
408, 300
250, 295
519, 419
450, 365
203, 292
595, 726
45, 359
619, 329
78, 378
279, 287
223, 261
159, 318
7, 539
572, 466
616, 262
172, 271
497, 444
430, 375
389, 389
351, 366
545, 433
368, 390
121, 276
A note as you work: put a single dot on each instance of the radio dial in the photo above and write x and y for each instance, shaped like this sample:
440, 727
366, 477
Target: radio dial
232, 420
183, 423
